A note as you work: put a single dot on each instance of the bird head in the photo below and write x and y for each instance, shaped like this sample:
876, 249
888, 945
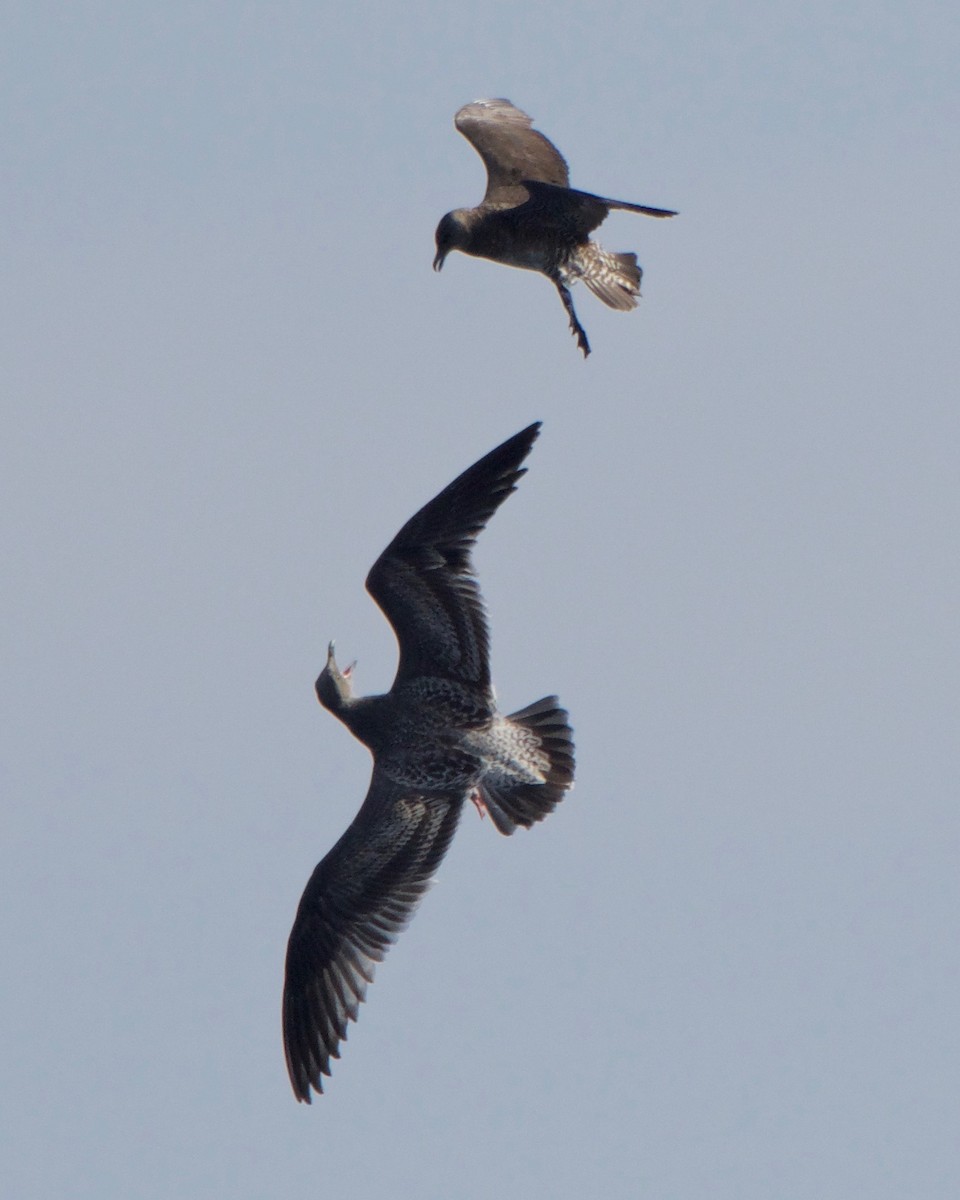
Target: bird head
335, 687
451, 235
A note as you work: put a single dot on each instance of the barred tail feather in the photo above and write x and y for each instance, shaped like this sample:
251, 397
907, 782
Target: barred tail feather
613, 278
512, 800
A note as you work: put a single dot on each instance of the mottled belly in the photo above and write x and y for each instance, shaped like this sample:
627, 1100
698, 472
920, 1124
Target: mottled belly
433, 765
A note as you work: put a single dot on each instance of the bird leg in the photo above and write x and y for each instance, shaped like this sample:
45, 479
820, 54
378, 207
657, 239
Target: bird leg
575, 327
478, 803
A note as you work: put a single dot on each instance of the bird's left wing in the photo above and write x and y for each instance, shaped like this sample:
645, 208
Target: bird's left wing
358, 899
511, 150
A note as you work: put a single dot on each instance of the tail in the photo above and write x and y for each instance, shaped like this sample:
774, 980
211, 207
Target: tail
613, 278
540, 770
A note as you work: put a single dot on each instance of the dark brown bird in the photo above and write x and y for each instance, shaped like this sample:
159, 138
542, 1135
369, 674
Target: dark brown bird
437, 740
531, 218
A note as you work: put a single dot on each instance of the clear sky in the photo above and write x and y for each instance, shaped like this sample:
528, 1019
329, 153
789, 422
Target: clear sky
727, 967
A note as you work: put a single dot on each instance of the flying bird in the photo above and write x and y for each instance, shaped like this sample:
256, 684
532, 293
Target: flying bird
531, 218
437, 740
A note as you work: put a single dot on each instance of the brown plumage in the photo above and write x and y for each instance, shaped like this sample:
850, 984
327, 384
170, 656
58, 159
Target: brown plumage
531, 218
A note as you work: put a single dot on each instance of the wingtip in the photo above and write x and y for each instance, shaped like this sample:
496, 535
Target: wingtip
525, 438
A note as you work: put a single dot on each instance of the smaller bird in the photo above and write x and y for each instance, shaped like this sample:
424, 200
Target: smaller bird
531, 218
437, 741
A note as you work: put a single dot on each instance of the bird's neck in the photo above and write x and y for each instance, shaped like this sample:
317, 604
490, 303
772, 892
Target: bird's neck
365, 716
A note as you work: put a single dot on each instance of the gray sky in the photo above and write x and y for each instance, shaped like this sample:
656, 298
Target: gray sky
727, 966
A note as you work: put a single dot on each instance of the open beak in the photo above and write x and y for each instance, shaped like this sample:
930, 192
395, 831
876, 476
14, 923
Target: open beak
345, 672
438, 261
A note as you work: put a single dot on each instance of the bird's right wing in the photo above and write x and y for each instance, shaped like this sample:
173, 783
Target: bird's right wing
425, 583
358, 899
511, 150
569, 213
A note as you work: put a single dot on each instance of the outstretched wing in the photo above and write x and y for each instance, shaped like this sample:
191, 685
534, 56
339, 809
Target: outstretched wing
424, 580
511, 150
572, 214
358, 899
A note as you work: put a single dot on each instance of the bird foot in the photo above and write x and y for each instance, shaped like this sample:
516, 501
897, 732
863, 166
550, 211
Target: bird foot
575, 327
478, 803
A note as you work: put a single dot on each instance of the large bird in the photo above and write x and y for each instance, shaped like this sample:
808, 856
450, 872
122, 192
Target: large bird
531, 218
437, 740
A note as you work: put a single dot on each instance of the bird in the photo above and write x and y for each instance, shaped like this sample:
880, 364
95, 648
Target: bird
437, 740
531, 218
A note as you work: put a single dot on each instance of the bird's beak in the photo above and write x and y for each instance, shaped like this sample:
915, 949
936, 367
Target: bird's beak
438, 261
345, 672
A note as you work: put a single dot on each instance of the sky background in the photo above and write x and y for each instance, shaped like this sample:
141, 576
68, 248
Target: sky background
728, 965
